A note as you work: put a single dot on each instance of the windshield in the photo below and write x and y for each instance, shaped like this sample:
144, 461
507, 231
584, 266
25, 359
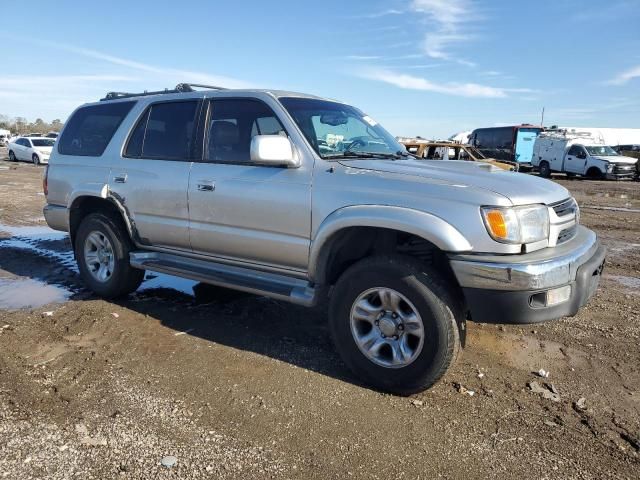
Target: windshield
336, 130
43, 142
601, 150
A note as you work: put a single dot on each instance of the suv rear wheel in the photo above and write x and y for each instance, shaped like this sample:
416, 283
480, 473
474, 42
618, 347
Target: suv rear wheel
102, 248
395, 322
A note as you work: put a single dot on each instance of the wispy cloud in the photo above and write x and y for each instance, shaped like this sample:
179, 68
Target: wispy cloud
446, 19
625, 76
411, 82
382, 13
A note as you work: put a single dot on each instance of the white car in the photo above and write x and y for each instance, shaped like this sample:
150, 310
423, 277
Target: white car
31, 149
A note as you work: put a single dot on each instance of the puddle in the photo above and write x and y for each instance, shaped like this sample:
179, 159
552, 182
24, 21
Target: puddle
623, 196
612, 209
631, 282
28, 293
155, 280
524, 352
41, 231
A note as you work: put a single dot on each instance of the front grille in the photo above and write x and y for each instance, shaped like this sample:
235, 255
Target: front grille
621, 169
565, 207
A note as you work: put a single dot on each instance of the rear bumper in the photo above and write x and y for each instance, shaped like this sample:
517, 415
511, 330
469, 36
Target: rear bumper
501, 291
57, 217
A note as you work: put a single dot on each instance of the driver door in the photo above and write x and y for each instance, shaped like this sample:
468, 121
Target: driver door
576, 159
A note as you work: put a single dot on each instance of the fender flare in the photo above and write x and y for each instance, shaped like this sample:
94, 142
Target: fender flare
425, 225
102, 191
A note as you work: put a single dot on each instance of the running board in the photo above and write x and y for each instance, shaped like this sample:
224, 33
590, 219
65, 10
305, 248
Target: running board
271, 285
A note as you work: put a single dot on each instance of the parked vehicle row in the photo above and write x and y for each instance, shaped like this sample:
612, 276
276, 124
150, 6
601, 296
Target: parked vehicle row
302, 198
574, 154
31, 149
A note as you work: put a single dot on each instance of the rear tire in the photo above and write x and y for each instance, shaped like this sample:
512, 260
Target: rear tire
385, 346
102, 247
545, 169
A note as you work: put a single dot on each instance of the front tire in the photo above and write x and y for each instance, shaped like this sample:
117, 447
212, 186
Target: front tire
12, 156
102, 248
35, 159
395, 323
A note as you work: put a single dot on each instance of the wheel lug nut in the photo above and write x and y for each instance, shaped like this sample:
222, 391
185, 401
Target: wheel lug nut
400, 327
395, 337
377, 322
384, 336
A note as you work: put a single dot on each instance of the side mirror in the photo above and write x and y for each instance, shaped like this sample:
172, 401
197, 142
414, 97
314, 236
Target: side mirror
273, 150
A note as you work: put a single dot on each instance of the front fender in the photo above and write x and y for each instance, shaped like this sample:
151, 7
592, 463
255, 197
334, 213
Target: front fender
425, 225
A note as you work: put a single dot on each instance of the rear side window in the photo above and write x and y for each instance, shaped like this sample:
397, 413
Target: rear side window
165, 131
90, 129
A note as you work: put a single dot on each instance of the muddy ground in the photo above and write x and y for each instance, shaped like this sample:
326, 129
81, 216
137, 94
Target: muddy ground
237, 386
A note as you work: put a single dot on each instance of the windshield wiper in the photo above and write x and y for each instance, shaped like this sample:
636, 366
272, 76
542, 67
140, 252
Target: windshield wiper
393, 156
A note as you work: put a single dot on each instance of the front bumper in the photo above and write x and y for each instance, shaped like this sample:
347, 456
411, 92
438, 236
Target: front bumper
509, 289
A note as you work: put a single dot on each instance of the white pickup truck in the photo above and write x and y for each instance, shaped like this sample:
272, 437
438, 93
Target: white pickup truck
579, 155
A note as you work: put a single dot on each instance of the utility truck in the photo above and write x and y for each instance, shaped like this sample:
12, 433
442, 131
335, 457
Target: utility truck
579, 154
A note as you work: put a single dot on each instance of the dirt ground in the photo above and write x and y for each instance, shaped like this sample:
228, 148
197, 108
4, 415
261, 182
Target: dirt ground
237, 386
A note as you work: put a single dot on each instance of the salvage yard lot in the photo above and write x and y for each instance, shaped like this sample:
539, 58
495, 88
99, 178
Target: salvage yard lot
238, 386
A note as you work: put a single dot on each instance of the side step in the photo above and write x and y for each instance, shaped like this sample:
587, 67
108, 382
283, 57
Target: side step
271, 285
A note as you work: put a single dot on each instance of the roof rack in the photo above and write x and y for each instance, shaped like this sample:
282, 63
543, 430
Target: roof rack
180, 88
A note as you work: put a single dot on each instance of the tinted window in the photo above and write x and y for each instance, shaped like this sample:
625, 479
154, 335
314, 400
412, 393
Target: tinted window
169, 130
90, 129
232, 125
134, 147
41, 142
574, 150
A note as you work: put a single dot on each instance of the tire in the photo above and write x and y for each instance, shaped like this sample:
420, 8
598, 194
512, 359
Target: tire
35, 159
12, 156
594, 173
420, 288
117, 278
545, 169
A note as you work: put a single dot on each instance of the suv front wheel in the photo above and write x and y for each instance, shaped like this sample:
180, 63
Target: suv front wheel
395, 323
102, 248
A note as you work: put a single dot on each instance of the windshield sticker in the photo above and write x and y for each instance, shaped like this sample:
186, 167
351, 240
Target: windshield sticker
370, 120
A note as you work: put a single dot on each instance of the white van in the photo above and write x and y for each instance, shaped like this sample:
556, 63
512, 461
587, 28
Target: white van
579, 154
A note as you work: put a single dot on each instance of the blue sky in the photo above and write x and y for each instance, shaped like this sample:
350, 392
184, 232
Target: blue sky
420, 67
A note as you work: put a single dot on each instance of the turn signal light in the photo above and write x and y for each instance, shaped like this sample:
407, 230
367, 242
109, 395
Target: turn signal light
497, 224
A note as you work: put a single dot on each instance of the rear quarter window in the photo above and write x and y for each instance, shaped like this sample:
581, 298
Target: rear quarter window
90, 129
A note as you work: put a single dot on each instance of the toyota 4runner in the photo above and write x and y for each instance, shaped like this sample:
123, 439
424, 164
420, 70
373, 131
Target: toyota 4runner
301, 199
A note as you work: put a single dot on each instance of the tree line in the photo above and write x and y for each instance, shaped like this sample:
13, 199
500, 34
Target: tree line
21, 126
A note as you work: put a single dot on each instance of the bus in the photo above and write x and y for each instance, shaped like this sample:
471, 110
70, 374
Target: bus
513, 144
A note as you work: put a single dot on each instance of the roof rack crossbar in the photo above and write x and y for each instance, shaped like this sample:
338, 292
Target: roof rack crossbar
180, 88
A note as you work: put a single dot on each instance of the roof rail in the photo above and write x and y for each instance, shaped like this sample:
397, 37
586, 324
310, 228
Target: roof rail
180, 88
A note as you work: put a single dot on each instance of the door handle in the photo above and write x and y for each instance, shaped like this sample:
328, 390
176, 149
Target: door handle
206, 187
122, 178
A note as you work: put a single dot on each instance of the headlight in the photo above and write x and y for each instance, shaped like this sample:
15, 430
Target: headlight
610, 167
526, 224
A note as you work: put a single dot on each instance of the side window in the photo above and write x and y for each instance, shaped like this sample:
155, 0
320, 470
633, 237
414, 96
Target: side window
232, 125
91, 128
165, 131
574, 150
134, 146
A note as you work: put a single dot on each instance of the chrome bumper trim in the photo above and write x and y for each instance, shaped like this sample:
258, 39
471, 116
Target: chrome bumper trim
547, 268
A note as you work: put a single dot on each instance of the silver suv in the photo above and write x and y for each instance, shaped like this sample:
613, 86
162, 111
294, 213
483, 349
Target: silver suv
301, 199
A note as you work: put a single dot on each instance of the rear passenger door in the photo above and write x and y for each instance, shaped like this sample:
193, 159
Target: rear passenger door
243, 211
152, 176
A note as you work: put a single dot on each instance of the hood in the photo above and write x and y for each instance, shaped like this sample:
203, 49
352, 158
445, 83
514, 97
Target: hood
616, 159
521, 189
44, 149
